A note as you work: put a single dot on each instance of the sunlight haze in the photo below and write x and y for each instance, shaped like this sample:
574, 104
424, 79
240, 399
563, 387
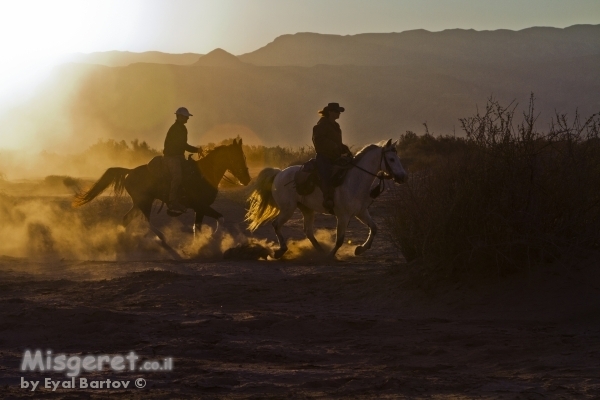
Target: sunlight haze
36, 36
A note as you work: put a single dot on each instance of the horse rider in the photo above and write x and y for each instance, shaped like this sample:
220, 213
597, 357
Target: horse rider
327, 139
174, 155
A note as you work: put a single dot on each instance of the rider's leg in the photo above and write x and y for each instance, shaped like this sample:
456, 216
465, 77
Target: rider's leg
325, 169
174, 167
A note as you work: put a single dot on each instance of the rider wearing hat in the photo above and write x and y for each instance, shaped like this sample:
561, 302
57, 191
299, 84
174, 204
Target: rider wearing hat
327, 139
174, 154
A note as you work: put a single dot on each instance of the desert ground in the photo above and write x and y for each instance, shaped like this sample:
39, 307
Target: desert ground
301, 327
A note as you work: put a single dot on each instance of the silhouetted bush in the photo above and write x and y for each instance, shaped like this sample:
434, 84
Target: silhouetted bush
137, 153
421, 152
277, 156
504, 197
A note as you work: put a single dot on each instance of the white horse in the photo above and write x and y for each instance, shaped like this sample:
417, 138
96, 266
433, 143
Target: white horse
275, 197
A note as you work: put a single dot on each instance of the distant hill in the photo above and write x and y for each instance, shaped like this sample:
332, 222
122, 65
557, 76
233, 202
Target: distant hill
219, 58
389, 83
124, 58
418, 47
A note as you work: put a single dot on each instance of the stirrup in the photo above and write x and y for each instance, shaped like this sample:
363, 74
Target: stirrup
173, 213
176, 208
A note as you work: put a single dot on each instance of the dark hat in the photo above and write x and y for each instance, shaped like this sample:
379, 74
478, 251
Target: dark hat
332, 107
183, 111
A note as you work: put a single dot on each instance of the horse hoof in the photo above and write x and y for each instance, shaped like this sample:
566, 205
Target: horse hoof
279, 253
359, 250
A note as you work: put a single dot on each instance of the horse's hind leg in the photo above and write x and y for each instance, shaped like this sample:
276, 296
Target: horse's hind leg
309, 220
366, 219
127, 218
146, 208
280, 220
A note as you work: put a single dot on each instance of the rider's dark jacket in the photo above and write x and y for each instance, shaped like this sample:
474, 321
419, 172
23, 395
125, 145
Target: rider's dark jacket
176, 141
327, 139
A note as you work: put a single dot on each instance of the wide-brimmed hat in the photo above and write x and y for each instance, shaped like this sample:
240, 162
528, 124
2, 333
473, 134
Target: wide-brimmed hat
183, 111
332, 107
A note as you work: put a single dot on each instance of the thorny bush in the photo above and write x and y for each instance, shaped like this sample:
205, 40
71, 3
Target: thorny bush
504, 197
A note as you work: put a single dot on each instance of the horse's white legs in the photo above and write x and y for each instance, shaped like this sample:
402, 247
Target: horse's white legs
342, 224
282, 218
309, 219
366, 219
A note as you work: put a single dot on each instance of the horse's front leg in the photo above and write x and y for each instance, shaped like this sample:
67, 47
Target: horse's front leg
309, 220
197, 228
366, 219
342, 224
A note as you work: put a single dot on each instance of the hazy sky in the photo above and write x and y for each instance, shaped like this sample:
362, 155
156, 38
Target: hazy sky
34, 35
241, 26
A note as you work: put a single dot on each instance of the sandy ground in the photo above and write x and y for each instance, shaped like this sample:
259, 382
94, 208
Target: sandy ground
358, 327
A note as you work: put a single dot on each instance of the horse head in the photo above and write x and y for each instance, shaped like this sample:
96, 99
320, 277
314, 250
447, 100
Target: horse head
392, 162
237, 162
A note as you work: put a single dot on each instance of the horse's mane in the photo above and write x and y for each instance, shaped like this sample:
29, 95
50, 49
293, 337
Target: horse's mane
215, 150
365, 150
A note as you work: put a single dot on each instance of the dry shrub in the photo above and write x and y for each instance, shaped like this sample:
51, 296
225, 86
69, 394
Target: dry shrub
276, 156
503, 198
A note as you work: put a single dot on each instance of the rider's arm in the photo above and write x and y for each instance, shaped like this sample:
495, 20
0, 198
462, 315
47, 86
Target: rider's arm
192, 149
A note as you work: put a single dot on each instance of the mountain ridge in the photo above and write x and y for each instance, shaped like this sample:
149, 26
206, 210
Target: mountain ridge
219, 58
308, 49
115, 58
277, 104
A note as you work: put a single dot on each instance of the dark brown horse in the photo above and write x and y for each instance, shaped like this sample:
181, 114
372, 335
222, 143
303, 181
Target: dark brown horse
200, 185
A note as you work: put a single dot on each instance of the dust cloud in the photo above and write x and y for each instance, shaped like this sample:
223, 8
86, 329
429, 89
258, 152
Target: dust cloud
48, 229
303, 250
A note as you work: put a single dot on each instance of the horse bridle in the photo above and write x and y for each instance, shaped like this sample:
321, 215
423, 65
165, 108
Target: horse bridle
238, 183
381, 175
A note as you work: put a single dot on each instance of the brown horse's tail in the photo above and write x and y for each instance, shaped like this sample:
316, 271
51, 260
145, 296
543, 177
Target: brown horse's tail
262, 204
112, 176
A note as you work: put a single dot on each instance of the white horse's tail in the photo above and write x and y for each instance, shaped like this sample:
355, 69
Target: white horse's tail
263, 207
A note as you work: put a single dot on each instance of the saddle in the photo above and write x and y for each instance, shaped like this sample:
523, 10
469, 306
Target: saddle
160, 172
307, 178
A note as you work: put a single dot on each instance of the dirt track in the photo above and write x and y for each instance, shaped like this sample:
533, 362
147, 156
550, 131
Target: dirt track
358, 327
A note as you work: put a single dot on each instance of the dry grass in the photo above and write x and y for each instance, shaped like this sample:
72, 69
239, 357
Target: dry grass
503, 198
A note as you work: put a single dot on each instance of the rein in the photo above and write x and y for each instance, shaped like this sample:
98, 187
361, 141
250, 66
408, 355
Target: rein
381, 175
